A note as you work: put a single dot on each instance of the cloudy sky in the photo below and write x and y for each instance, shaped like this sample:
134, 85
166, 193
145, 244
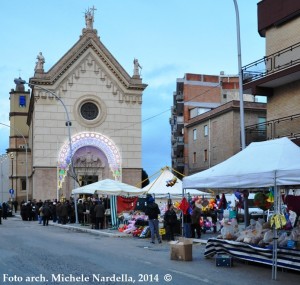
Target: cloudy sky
168, 37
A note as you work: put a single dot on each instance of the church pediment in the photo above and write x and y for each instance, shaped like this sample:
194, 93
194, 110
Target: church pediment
100, 59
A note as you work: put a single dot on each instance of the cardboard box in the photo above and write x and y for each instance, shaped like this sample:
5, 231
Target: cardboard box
224, 260
181, 249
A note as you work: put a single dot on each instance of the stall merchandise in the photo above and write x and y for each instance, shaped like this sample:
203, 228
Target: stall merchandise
286, 258
272, 163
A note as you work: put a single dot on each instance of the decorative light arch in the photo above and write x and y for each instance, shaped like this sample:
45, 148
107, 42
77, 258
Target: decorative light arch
89, 139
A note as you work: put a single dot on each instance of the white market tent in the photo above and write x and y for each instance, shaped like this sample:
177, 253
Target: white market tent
262, 164
109, 187
159, 189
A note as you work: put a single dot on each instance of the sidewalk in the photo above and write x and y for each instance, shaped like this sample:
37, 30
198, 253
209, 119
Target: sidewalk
116, 233
113, 232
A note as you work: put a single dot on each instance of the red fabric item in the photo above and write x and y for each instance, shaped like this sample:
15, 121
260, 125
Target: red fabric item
184, 205
293, 203
126, 204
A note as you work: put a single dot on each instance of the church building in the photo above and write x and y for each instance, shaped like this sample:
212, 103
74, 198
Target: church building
80, 124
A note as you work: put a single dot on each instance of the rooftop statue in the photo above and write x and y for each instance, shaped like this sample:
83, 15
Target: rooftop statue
137, 67
40, 62
89, 18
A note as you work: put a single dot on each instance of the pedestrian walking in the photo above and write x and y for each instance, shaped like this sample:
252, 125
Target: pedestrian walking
152, 211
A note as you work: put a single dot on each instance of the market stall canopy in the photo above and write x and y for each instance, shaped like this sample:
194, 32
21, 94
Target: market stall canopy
109, 187
261, 164
159, 187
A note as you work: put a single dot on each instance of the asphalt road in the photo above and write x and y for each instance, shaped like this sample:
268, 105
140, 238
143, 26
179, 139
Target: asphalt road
34, 254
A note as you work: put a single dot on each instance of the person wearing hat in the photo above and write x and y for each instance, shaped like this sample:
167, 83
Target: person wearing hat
152, 211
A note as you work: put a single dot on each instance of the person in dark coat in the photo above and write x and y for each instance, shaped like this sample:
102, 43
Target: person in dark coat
58, 212
53, 212
34, 211
64, 213
0, 214
46, 214
15, 204
24, 213
152, 211
170, 220
93, 215
195, 216
99, 214
80, 210
4, 210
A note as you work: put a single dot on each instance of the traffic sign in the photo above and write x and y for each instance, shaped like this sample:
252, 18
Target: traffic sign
11, 191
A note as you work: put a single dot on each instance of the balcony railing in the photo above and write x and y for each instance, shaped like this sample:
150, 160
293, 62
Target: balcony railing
282, 127
179, 96
273, 63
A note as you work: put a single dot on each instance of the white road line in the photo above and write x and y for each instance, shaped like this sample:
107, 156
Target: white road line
191, 276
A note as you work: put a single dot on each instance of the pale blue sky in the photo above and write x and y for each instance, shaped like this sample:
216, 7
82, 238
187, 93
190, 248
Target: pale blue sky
168, 37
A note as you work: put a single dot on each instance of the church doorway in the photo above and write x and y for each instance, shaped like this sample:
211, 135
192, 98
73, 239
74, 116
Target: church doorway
90, 165
88, 179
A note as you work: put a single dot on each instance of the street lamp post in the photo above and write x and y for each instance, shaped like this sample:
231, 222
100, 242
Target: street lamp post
11, 155
68, 124
243, 144
242, 123
26, 157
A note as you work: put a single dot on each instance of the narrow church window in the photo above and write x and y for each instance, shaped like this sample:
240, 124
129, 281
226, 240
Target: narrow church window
22, 101
89, 111
23, 184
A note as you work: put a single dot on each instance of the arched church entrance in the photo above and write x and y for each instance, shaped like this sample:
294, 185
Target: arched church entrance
95, 157
90, 165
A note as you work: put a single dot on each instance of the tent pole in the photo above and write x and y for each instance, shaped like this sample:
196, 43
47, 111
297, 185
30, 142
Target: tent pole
182, 224
275, 237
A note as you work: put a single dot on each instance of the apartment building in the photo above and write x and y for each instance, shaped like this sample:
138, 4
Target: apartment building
214, 136
195, 100
276, 75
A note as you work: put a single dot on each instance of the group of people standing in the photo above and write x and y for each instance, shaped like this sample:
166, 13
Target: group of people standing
171, 221
96, 211
60, 212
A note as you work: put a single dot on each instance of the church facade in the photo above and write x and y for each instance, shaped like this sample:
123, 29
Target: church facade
83, 120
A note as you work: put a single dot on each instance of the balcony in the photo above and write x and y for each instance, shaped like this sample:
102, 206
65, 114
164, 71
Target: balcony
179, 96
180, 120
282, 127
178, 162
178, 146
275, 70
